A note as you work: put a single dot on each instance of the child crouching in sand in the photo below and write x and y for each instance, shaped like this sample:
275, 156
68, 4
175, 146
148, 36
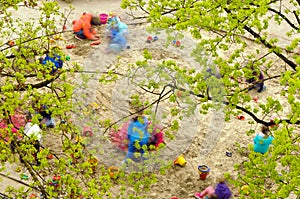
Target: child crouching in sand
221, 191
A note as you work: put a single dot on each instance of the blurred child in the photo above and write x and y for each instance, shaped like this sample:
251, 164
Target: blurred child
117, 33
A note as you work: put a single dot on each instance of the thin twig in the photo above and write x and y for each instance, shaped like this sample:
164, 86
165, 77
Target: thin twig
19, 181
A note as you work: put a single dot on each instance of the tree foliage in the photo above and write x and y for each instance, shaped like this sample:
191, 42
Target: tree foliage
27, 84
241, 36
234, 38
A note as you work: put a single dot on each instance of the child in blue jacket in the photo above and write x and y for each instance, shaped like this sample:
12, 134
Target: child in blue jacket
137, 133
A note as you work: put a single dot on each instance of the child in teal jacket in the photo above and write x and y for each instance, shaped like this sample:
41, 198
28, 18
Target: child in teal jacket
262, 141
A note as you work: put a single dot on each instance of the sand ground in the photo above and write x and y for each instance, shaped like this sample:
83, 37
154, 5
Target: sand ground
203, 139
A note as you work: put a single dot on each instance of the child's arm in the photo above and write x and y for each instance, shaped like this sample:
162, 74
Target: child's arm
87, 31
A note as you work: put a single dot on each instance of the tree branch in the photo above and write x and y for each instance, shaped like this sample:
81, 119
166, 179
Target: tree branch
38, 85
220, 31
285, 18
144, 108
19, 181
268, 45
158, 100
3, 196
39, 37
296, 16
254, 117
29, 169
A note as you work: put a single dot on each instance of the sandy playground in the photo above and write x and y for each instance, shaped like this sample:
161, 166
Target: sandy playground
202, 139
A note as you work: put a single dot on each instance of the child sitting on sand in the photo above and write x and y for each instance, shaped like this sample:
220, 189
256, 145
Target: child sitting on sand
137, 134
257, 80
209, 192
83, 27
116, 36
262, 141
46, 116
221, 191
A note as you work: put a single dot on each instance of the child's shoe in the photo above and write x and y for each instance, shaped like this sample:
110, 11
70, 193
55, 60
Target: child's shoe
198, 195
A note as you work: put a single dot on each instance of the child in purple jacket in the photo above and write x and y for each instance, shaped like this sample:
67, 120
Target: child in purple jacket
257, 80
222, 190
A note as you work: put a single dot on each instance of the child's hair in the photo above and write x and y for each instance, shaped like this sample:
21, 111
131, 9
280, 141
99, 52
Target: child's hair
28, 116
214, 196
221, 179
95, 21
265, 130
135, 118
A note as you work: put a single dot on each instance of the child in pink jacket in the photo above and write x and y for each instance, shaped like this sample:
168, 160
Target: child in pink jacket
208, 192
221, 191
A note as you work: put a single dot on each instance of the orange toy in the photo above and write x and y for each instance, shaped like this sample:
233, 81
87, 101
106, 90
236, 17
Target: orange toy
95, 43
70, 46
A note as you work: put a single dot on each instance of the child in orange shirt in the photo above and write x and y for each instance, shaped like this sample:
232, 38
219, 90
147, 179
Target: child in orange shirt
83, 27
